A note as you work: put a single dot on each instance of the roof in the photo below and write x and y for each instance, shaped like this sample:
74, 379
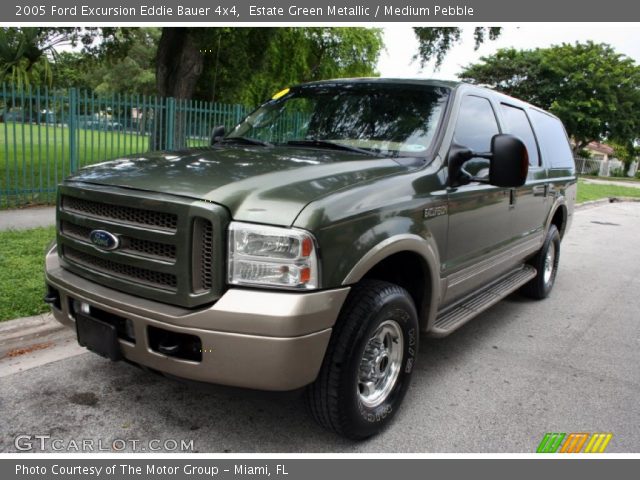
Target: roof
411, 81
600, 147
428, 82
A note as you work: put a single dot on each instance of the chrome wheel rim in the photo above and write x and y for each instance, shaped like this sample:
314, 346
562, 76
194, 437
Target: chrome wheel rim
380, 364
549, 263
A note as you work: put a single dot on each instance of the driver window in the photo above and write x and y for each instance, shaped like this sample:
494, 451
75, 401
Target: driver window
475, 127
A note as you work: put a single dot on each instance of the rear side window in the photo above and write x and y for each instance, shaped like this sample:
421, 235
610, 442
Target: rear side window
553, 140
517, 123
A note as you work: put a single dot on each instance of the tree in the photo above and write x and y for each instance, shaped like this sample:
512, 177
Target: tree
72, 69
25, 55
133, 71
435, 42
247, 65
593, 89
627, 153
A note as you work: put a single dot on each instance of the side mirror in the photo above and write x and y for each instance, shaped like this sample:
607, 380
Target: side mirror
508, 163
217, 134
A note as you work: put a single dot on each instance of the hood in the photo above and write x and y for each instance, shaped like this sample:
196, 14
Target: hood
257, 184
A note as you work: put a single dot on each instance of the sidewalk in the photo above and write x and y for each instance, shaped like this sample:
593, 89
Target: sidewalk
619, 183
24, 218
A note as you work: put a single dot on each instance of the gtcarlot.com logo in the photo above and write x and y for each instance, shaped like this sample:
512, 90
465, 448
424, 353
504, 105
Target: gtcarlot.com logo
574, 443
47, 443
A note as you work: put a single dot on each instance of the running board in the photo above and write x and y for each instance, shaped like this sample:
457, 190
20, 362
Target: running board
453, 317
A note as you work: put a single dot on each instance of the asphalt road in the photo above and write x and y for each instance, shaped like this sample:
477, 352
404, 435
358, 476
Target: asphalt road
566, 364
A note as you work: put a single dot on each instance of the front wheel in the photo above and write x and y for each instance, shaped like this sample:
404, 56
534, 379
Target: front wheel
366, 370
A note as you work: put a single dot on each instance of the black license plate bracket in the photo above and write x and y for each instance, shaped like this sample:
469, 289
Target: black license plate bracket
98, 336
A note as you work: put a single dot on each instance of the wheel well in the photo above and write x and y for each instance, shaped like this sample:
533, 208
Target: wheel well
409, 271
559, 219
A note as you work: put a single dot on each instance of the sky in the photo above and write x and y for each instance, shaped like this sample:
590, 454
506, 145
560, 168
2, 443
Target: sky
401, 45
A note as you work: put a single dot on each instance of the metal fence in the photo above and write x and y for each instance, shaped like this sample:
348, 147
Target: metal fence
47, 134
587, 166
598, 167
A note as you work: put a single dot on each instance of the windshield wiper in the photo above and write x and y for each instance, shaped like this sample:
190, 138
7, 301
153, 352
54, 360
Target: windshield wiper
247, 141
334, 146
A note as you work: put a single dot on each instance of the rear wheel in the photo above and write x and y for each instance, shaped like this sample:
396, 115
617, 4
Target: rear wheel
369, 361
546, 263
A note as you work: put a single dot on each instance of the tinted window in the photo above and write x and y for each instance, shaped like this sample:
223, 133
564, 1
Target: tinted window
517, 123
553, 140
476, 124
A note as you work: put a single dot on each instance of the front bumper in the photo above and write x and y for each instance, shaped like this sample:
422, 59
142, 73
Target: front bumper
258, 339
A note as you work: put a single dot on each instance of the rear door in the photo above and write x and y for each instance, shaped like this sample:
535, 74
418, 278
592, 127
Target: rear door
529, 205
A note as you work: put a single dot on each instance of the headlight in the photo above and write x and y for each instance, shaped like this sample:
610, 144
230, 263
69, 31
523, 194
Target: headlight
272, 256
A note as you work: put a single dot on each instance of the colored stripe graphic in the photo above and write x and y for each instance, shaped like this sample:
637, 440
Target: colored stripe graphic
550, 442
598, 443
574, 443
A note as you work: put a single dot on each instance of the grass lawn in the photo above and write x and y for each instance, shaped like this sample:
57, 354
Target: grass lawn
592, 191
22, 272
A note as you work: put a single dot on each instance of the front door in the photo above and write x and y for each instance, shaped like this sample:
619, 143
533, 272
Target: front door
478, 212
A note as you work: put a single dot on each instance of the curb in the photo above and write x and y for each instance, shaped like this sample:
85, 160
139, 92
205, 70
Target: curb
604, 201
26, 331
592, 203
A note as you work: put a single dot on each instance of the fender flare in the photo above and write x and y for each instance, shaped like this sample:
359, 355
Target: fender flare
560, 202
426, 248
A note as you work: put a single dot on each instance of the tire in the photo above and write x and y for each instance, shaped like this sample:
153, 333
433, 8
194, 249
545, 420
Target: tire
378, 318
540, 286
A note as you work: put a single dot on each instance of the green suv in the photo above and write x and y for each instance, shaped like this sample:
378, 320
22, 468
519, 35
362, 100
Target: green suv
313, 244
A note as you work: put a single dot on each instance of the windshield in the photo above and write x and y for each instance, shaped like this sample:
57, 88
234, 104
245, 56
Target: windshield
383, 119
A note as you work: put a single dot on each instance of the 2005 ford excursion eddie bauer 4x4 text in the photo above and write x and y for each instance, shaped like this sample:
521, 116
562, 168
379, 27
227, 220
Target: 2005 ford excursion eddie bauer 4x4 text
312, 245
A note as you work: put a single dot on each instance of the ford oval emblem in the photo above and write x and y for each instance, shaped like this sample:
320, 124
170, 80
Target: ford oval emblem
104, 240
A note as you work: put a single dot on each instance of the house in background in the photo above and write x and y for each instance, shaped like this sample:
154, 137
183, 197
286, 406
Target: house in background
600, 151
601, 161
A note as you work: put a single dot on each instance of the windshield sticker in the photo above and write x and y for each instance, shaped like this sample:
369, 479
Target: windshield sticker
280, 94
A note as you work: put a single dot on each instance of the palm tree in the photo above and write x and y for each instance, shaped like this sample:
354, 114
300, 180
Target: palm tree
25, 55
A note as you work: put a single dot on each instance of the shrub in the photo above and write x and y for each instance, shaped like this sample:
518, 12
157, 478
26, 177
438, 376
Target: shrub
618, 172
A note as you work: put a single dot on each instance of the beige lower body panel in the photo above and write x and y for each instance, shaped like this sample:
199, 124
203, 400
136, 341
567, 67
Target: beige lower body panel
279, 342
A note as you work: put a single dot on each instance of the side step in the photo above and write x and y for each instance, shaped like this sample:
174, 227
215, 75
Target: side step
453, 317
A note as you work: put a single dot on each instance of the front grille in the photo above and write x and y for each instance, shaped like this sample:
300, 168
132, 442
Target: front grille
150, 249
170, 249
120, 213
156, 279
145, 248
